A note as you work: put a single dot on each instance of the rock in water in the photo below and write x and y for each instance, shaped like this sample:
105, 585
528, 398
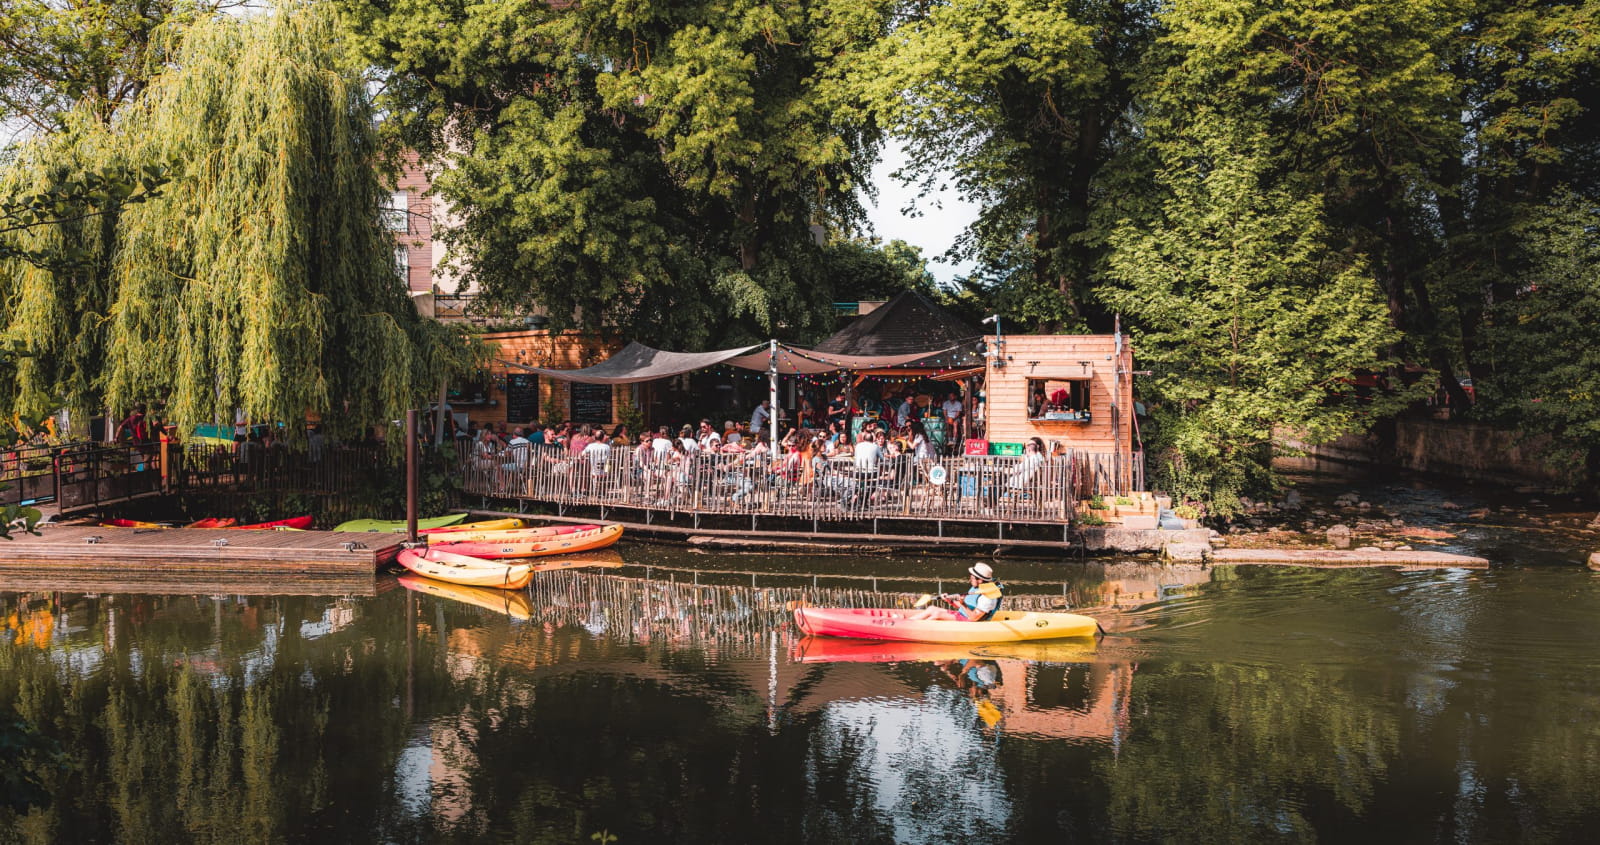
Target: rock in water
1339, 536
1594, 561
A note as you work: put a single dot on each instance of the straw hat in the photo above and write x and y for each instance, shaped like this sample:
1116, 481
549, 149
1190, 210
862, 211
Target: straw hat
981, 571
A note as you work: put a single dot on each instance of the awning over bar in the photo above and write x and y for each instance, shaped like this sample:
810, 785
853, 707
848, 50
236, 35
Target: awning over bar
637, 362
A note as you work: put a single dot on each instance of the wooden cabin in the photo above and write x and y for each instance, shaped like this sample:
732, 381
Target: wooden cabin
1071, 391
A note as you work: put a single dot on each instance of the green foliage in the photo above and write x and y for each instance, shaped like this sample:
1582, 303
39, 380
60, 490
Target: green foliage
261, 277
653, 167
1091, 519
26, 752
1252, 325
1097, 502
1546, 366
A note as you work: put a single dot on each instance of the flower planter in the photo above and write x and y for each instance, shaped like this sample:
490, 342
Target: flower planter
1139, 522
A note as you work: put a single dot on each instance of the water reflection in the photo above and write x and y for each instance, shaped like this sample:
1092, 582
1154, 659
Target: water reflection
1258, 704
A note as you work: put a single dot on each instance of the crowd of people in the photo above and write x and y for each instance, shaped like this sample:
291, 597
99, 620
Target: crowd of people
816, 452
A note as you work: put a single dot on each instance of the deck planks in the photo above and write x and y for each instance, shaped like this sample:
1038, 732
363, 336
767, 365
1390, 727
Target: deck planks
195, 551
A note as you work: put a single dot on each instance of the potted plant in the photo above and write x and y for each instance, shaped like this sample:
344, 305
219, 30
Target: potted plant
1099, 508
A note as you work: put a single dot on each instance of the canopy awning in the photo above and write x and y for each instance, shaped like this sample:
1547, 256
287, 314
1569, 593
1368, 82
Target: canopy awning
637, 362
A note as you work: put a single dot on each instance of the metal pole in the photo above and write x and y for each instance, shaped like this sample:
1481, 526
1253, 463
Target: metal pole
772, 391
411, 474
1116, 409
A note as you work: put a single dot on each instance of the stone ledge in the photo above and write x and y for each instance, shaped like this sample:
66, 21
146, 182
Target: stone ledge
1337, 557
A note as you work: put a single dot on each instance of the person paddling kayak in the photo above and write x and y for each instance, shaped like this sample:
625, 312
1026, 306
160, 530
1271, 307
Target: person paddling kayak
980, 602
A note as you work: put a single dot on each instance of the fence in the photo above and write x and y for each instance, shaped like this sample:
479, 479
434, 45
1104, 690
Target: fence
987, 488
83, 474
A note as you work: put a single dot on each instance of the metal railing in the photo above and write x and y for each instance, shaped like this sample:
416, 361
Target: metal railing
987, 487
81, 474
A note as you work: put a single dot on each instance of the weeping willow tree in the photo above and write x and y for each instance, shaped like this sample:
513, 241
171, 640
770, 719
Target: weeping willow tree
262, 278
54, 276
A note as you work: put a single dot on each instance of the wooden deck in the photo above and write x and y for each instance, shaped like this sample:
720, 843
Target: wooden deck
196, 554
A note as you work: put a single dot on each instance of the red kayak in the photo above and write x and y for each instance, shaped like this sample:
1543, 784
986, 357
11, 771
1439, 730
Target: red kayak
212, 522
299, 523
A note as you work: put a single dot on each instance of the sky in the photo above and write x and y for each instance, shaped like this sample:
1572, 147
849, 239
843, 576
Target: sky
944, 215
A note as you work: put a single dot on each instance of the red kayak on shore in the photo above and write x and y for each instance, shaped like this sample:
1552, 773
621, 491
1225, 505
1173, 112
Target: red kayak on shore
212, 522
299, 523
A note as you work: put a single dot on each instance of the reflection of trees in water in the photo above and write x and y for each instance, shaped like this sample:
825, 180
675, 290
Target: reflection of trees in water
173, 740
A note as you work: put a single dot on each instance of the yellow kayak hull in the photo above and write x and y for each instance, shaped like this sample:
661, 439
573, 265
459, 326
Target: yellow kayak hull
478, 574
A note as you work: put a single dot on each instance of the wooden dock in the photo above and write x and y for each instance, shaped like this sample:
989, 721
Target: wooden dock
199, 557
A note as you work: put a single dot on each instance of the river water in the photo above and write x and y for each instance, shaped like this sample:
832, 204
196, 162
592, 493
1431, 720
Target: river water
669, 700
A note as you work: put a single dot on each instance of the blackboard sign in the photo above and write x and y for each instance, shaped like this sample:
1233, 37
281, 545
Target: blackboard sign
591, 403
522, 397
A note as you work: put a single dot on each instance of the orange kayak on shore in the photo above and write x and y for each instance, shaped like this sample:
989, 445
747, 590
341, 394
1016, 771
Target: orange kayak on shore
578, 541
212, 522
947, 627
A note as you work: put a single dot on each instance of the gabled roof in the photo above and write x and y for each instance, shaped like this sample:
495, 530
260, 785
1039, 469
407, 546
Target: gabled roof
906, 324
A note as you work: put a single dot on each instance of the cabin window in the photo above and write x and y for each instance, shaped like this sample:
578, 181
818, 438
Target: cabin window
397, 216
1063, 400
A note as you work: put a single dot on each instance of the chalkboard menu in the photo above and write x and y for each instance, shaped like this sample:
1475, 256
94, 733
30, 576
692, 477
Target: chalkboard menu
522, 397
591, 403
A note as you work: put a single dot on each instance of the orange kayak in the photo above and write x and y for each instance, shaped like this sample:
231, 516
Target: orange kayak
298, 522
504, 534
132, 523
578, 541
212, 522
896, 624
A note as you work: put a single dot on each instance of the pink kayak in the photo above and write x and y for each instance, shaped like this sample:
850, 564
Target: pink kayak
299, 523
946, 627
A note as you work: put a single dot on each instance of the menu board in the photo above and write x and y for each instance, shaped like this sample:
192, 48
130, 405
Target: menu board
522, 397
591, 403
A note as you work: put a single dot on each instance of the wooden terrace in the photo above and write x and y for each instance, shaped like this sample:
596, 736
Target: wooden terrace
72, 556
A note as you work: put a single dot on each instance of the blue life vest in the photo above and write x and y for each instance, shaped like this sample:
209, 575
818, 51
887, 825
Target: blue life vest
989, 589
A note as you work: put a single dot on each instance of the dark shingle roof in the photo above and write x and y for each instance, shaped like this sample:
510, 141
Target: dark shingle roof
908, 323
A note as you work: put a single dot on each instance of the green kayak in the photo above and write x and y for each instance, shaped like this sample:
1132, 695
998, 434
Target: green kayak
389, 526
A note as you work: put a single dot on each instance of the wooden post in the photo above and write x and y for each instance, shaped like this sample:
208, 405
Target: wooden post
411, 474
438, 414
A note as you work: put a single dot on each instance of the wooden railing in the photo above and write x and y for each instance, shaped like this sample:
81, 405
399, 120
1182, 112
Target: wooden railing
985, 488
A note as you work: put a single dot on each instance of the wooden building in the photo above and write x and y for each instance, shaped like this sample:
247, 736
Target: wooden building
506, 393
1071, 391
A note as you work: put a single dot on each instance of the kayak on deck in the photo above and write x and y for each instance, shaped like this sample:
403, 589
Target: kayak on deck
466, 535
390, 526
510, 602
838, 650
132, 523
297, 522
483, 525
212, 522
579, 541
896, 624
474, 574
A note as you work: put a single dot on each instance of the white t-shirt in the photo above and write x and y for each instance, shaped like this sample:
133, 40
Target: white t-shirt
759, 418
690, 444
867, 455
952, 408
597, 453
661, 446
711, 441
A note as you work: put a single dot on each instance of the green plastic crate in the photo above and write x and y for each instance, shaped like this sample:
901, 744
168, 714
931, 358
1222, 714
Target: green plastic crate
1005, 448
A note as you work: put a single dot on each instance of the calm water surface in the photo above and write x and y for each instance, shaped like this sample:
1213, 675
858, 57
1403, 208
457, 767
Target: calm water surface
670, 701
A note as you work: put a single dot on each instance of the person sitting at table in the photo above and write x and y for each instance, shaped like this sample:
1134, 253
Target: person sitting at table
952, 407
709, 441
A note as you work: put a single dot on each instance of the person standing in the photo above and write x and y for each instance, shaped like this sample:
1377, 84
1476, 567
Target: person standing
761, 416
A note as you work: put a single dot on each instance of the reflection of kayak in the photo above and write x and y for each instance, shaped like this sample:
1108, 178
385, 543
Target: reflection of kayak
474, 574
580, 541
212, 522
484, 525
891, 624
836, 650
297, 522
390, 526
132, 523
466, 534
510, 602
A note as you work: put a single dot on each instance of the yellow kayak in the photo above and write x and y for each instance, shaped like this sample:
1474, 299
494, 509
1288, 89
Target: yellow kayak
506, 524
470, 534
445, 567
